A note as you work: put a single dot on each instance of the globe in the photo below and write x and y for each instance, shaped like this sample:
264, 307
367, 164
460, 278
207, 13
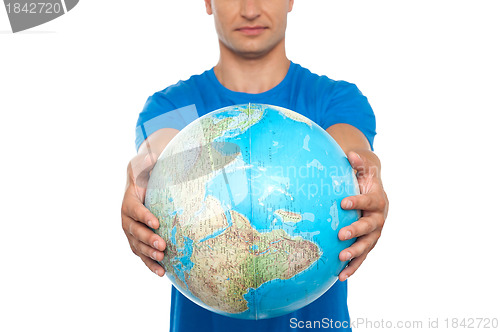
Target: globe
248, 200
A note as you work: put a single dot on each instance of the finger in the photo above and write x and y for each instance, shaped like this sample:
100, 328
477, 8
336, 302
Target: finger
366, 202
365, 225
141, 248
356, 162
152, 265
362, 245
135, 209
145, 235
352, 267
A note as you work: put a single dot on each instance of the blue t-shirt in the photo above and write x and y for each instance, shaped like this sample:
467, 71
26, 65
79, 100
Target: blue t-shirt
321, 99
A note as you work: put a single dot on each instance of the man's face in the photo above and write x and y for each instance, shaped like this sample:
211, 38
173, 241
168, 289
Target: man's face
250, 28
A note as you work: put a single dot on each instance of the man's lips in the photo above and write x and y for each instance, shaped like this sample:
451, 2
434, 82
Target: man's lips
251, 31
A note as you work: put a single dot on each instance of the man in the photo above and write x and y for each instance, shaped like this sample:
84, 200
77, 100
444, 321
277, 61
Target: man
253, 67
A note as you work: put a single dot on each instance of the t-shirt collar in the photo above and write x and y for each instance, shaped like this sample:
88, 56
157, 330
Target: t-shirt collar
266, 94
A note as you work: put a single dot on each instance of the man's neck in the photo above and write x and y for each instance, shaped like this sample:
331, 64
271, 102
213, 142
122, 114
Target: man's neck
252, 75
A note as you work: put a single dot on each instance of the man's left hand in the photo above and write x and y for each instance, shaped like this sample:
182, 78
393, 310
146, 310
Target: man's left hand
374, 205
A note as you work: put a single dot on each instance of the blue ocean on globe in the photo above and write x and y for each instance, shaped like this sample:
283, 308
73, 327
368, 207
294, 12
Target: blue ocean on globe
248, 199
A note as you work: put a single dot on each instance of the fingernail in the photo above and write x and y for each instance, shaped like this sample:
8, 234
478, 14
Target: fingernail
150, 224
348, 256
348, 204
155, 244
157, 272
154, 255
347, 235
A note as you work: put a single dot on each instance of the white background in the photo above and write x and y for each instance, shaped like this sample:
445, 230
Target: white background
70, 94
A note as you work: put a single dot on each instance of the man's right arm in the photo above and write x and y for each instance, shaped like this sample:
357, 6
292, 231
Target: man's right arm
135, 216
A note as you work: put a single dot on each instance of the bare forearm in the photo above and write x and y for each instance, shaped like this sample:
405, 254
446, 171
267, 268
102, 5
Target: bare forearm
351, 139
348, 137
149, 151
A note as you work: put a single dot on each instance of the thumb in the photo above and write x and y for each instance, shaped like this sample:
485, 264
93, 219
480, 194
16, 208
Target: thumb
357, 162
140, 167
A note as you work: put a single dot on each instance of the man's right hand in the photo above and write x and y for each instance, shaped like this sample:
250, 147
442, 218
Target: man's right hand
135, 216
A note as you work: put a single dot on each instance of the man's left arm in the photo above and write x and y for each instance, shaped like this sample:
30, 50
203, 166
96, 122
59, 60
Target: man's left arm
372, 200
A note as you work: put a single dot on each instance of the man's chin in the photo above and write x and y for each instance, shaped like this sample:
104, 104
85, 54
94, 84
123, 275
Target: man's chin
254, 52
253, 55
251, 50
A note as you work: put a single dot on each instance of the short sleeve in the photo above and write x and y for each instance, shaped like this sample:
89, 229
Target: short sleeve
346, 104
159, 112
